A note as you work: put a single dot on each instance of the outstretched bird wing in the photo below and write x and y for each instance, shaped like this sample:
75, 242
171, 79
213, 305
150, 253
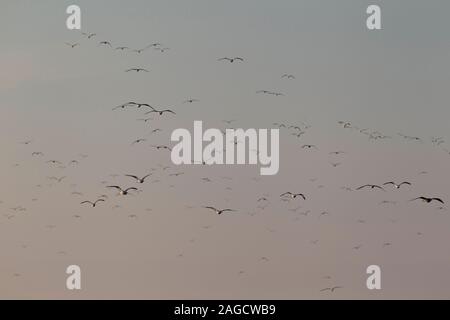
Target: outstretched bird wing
286, 193
115, 187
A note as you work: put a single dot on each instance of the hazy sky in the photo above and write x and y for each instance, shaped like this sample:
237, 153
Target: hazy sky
389, 81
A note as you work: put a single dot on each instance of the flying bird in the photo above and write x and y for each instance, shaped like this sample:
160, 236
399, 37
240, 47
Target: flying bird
145, 120
231, 60
72, 45
190, 101
397, 186
331, 289
105, 43
428, 200
159, 147
89, 35
93, 204
219, 211
57, 179
37, 153
54, 162
140, 50
138, 141
293, 195
309, 146
138, 180
161, 112
123, 192
372, 186
137, 70
128, 104
288, 76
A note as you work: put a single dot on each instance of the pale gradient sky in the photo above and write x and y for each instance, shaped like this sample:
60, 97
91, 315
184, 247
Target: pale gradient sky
393, 81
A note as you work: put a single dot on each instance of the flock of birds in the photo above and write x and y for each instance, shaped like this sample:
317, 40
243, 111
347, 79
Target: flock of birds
298, 130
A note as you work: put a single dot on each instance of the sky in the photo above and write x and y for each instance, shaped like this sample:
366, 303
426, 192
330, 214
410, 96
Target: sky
160, 243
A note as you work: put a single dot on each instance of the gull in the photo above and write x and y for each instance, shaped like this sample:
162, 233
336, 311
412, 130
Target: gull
219, 211
262, 199
155, 130
388, 202
57, 179
305, 213
335, 164
19, 208
299, 134
161, 112
324, 213
280, 125
93, 204
145, 120
289, 76
270, 92
331, 289
138, 141
357, 247
128, 104
428, 200
72, 45
309, 146
106, 43
89, 35
123, 192
410, 137
337, 152
37, 153
231, 60
137, 70
73, 162
190, 101
138, 180
277, 94
176, 174
140, 50
159, 147
345, 124
397, 186
54, 162
122, 48
156, 44
162, 49
293, 195
372, 186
